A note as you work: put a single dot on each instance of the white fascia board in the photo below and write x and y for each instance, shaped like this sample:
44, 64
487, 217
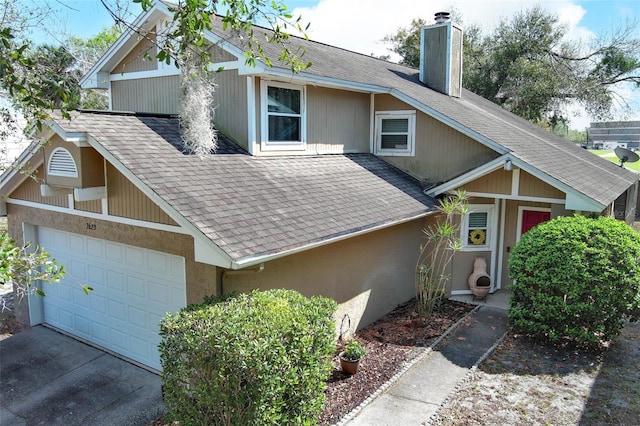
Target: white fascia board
92, 76
574, 200
256, 260
88, 194
489, 143
18, 165
137, 75
469, 176
214, 255
79, 139
306, 78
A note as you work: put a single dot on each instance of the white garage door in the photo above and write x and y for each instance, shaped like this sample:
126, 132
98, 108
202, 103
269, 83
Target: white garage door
133, 289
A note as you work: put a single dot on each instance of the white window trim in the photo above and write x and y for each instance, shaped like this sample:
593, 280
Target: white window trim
411, 136
65, 152
265, 144
491, 227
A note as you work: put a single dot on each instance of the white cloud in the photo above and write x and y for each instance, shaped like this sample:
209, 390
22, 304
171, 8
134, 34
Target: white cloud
361, 26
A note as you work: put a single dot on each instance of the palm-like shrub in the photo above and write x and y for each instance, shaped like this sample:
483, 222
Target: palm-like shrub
575, 280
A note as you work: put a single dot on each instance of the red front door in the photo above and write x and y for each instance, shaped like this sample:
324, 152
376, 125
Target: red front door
531, 218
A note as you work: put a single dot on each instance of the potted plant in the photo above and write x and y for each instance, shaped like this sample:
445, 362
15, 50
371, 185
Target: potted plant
350, 356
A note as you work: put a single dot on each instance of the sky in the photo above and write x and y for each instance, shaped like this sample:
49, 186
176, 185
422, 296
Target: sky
360, 25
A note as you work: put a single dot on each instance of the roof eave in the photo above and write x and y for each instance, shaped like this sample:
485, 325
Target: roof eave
248, 261
574, 199
95, 77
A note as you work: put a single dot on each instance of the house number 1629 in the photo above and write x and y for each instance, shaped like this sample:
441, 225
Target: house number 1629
91, 226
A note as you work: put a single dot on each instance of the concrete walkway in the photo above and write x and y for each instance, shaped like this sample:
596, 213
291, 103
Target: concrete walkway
418, 394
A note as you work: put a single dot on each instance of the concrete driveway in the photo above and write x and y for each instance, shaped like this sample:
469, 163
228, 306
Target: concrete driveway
47, 378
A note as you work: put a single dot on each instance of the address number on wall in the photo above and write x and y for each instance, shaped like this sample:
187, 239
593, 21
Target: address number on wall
91, 226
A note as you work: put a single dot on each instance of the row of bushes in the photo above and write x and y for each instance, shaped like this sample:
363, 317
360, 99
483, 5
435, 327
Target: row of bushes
258, 358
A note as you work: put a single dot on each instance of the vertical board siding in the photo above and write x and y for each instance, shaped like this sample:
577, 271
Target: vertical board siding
93, 206
441, 152
337, 120
126, 200
218, 55
135, 61
230, 100
157, 95
497, 182
533, 187
29, 190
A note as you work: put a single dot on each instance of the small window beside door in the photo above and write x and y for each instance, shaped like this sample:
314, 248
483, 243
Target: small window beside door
476, 228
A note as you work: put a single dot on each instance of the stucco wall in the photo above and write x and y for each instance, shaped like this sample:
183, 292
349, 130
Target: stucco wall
200, 278
367, 275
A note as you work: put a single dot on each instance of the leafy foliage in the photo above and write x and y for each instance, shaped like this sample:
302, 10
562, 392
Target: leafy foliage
259, 358
23, 267
353, 350
442, 241
527, 66
185, 38
575, 280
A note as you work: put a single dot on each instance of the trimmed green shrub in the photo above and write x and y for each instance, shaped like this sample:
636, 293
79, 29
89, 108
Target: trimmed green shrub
253, 359
575, 280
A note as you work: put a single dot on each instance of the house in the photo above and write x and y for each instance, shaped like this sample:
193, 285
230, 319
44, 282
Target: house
322, 183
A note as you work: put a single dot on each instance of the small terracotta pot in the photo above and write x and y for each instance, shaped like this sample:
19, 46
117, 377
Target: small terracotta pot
349, 367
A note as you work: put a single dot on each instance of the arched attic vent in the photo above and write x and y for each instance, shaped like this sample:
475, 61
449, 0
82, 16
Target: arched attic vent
61, 163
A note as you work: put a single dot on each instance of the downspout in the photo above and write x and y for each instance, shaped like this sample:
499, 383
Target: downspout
247, 271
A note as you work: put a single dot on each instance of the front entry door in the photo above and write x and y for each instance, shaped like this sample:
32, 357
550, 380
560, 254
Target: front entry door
531, 218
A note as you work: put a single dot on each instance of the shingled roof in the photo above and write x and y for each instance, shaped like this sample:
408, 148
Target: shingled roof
256, 206
555, 157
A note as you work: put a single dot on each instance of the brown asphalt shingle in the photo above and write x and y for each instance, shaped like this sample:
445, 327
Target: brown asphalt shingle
252, 206
594, 177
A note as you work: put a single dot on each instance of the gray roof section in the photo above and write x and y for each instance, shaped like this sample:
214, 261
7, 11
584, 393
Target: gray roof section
553, 156
254, 206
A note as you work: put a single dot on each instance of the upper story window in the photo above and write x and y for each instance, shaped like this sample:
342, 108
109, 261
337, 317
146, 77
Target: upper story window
477, 227
283, 116
395, 133
61, 163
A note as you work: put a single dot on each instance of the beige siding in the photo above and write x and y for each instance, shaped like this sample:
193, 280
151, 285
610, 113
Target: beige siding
337, 120
126, 200
367, 275
441, 152
93, 206
88, 162
462, 267
137, 60
497, 182
158, 95
533, 187
200, 278
29, 190
220, 55
230, 98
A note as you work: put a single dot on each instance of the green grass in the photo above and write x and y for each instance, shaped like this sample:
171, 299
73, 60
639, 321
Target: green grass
608, 154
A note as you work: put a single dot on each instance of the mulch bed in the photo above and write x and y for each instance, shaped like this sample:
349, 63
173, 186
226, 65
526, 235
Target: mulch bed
393, 340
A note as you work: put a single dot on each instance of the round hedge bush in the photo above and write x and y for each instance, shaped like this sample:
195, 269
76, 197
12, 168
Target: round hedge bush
575, 279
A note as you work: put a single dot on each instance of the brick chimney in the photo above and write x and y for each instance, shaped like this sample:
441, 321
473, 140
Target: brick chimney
441, 56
